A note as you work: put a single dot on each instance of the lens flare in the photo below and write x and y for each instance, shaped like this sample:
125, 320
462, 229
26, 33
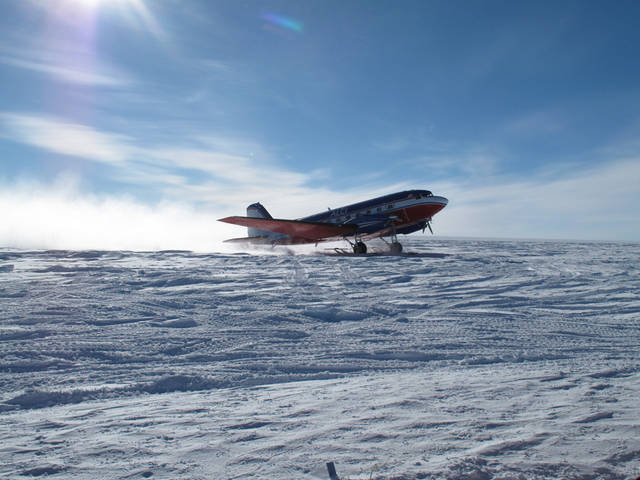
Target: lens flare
283, 22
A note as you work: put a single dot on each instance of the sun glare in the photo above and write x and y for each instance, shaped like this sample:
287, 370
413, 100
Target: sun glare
89, 3
134, 11
98, 3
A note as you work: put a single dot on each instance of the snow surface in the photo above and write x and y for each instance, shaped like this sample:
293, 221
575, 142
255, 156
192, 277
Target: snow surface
472, 359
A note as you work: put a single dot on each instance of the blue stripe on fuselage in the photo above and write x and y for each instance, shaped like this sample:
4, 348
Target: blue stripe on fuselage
368, 204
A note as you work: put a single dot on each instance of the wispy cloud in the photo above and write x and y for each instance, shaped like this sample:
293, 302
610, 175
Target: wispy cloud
438, 158
596, 203
63, 60
68, 73
537, 122
466, 165
67, 138
224, 174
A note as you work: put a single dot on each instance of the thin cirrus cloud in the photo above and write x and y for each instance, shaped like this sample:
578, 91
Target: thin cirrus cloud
598, 203
204, 173
234, 168
222, 176
64, 61
60, 214
66, 138
70, 74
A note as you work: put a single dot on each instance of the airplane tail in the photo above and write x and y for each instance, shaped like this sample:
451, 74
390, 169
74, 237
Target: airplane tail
256, 210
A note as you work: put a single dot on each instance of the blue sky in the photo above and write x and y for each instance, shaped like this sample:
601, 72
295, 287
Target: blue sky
115, 113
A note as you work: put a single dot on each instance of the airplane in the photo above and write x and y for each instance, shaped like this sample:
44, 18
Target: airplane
387, 216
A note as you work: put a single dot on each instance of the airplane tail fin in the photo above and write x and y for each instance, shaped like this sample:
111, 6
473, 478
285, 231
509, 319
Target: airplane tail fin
256, 210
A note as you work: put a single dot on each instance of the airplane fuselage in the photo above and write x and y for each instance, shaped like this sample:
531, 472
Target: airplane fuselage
386, 216
407, 212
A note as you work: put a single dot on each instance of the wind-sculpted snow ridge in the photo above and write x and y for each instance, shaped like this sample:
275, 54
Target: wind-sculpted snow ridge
471, 359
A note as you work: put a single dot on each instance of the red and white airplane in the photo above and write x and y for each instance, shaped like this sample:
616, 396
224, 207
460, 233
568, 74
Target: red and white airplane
387, 216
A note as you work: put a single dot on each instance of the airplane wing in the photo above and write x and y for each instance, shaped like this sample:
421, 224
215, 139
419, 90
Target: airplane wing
295, 228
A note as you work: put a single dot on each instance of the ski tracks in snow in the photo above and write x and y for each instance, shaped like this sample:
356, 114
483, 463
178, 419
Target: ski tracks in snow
491, 358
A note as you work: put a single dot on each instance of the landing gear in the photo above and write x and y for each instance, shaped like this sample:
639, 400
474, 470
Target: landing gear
395, 247
359, 247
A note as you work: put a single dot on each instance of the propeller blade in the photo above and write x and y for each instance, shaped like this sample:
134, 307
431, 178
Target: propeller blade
430, 229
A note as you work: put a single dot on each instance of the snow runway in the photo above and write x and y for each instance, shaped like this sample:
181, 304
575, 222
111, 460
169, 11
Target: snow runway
498, 359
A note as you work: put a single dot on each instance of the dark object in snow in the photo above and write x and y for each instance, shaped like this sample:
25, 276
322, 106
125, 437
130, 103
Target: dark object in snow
332, 471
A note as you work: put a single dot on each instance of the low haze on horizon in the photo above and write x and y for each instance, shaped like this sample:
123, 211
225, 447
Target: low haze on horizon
136, 123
